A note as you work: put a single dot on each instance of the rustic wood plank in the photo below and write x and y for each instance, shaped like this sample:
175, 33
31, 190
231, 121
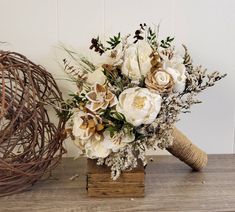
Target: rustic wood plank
126, 179
132, 191
99, 182
169, 186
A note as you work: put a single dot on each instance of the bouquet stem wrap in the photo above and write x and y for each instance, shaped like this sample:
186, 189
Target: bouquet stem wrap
187, 152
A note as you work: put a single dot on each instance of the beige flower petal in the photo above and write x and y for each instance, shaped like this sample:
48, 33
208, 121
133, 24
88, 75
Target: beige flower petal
96, 106
99, 127
100, 88
91, 131
91, 96
113, 102
91, 123
105, 105
83, 126
109, 96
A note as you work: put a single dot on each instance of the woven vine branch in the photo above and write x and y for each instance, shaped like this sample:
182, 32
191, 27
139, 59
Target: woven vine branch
30, 143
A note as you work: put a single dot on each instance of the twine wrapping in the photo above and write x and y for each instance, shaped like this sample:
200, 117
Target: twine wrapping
187, 152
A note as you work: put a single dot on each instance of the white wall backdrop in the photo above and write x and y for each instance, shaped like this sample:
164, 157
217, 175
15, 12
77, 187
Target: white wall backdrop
207, 27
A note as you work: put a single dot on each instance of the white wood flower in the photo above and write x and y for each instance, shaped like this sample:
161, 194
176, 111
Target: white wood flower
139, 105
87, 130
118, 141
96, 149
102, 147
93, 148
96, 77
177, 70
113, 56
137, 61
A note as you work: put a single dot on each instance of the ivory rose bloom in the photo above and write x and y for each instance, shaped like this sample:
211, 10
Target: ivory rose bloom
177, 70
137, 61
139, 105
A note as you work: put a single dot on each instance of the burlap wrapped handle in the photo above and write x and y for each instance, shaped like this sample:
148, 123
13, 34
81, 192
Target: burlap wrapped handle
186, 151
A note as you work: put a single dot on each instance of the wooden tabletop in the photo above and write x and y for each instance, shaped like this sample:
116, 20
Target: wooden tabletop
170, 186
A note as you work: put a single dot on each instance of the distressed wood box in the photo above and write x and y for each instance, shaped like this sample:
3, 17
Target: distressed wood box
100, 184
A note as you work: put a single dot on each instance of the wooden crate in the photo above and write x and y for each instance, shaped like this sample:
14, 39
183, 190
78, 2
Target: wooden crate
100, 184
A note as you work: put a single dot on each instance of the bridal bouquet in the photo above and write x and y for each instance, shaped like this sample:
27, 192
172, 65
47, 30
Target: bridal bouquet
130, 101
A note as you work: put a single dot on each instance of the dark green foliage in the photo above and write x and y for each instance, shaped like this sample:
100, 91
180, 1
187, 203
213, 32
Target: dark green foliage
114, 41
152, 37
115, 78
118, 121
166, 43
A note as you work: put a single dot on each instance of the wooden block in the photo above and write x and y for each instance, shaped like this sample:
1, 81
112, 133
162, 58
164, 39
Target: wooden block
100, 184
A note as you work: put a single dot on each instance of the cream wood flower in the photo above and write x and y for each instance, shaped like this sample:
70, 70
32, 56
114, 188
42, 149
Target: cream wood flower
87, 130
93, 147
137, 61
139, 105
96, 77
100, 98
177, 70
86, 125
118, 141
96, 149
113, 56
102, 147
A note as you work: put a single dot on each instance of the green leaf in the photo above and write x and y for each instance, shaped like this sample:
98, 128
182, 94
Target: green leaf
114, 41
114, 114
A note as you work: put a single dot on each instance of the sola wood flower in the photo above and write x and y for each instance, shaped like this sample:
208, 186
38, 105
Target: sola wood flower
139, 105
137, 61
175, 67
86, 125
160, 81
93, 147
113, 56
100, 98
118, 140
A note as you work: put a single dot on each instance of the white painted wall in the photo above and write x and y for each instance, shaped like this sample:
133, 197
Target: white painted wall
207, 27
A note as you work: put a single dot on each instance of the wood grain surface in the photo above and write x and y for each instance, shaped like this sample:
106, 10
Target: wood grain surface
169, 186
129, 184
